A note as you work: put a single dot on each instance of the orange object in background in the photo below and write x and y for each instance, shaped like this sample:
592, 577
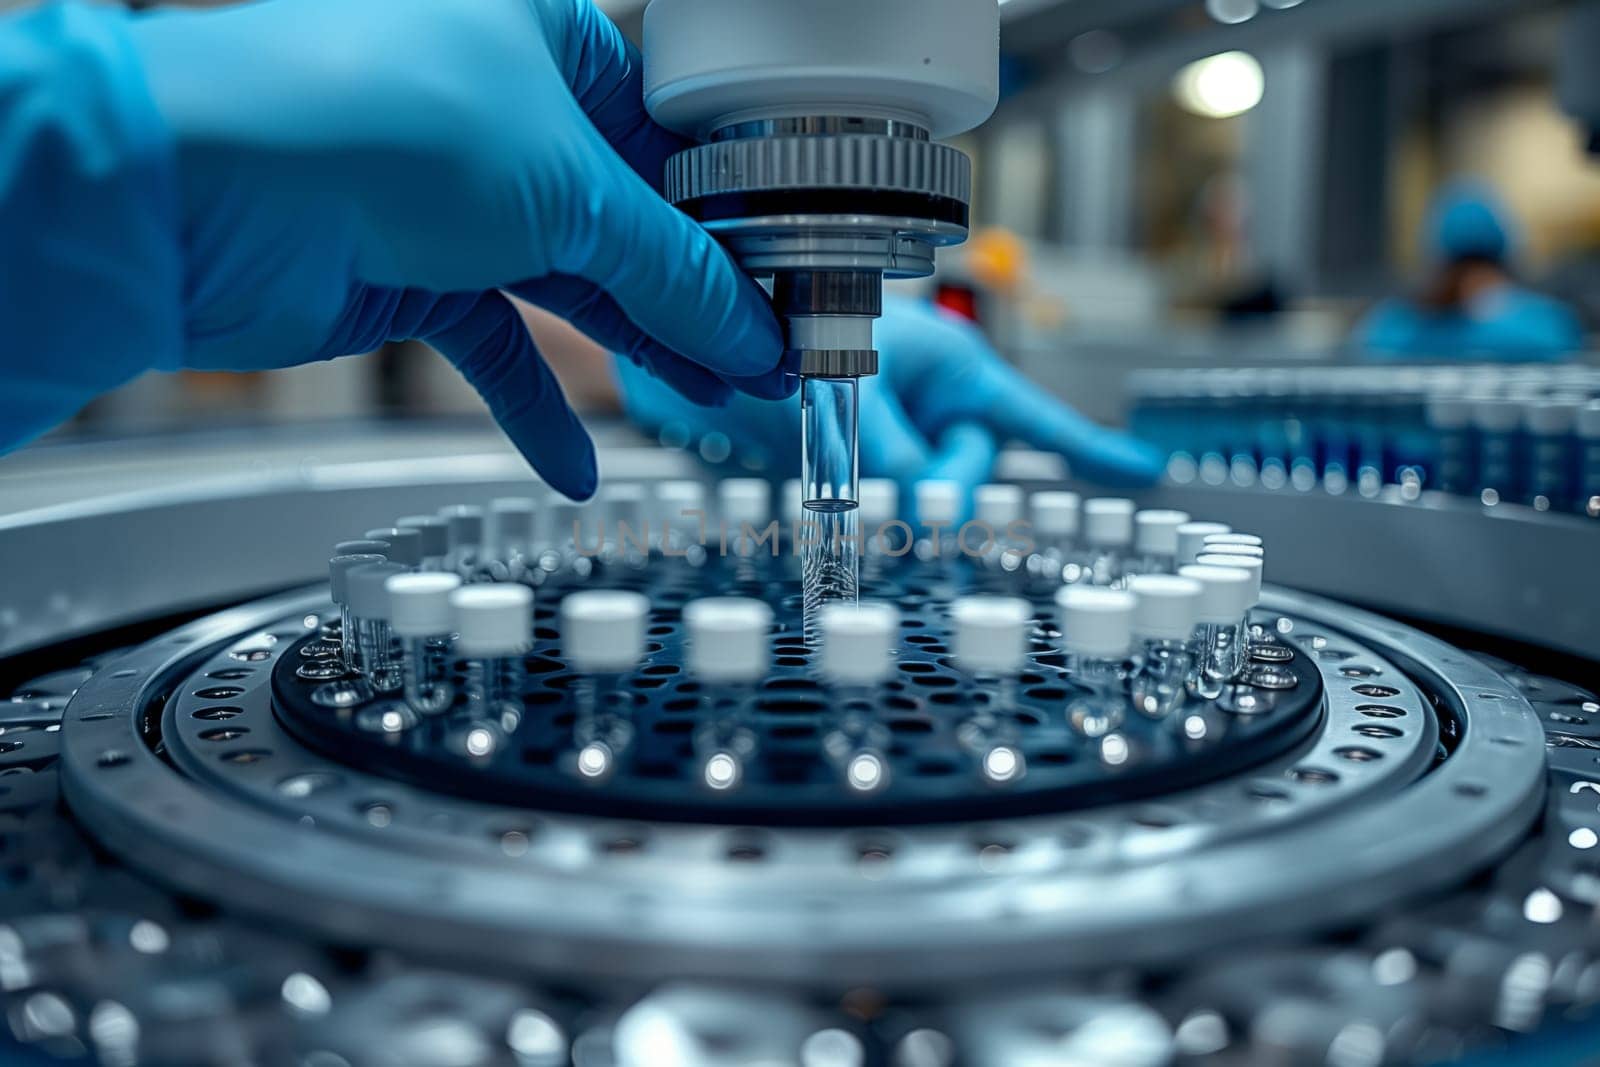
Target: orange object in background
997, 259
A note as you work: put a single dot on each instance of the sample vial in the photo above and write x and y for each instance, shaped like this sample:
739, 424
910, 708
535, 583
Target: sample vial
514, 554
376, 656
494, 630
422, 618
1453, 465
882, 535
999, 511
1192, 538
1056, 558
730, 649
1108, 532
830, 562
744, 508
1232, 539
1164, 619
938, 512
435, 534
858, 646
1220, 638
1549, 470
405, 546
990, 642
1495, 421
1588, 427
625, 510
367, 546
1155, 541
680, 526
466, 538
1097, 636
339, 568
602, 636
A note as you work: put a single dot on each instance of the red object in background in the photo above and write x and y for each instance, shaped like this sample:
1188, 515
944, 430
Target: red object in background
962, 299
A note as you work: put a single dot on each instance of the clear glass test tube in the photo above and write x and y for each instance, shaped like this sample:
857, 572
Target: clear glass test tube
423, 620
1221, 638
830, 563
376, 655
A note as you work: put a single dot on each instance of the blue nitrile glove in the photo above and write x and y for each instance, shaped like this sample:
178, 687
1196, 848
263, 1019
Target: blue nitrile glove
297, 180
941, 406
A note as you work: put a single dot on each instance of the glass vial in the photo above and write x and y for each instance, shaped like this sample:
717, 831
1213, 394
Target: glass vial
494, 631
1192, 539
1108, 532
939, 506
830, 568
435, 535
602, 638
999, 534
339, 568
465, 523
858, 648
1221, 636
884, 535
1549, 465
376, 654
1097, 636
405, 546
1588, 427
1164, 619
990, 641
746, 528
514, 555
1155, 541
423, 621
730, 650
1056, 558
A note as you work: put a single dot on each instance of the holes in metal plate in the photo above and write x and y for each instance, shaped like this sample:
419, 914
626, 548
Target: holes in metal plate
1377, 730
218, 713
1358, 754
1369, 690
1381, 711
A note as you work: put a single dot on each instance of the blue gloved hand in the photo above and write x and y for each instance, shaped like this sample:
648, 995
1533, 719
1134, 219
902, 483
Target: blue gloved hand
941, 406
348, 173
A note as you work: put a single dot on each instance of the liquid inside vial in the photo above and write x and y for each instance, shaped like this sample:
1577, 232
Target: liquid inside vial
830, 560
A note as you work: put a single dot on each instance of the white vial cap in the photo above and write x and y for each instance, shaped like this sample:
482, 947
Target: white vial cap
1168, 608
1155, 532
1055, 513
1589, 421
1225, 549
998, 505
339, 568
493, 619
1096, 622
405, 545
602, 631
1496, 414
681, 495
1108, 522
369, 598
1226, 592
1234, 538
880, 502
728, 638
744, 500
991, 633
1449, 412
419, 604
435, 532
466, 524
938, 501
1244, 563
858, 642
513, 519
1192, 538
794, 502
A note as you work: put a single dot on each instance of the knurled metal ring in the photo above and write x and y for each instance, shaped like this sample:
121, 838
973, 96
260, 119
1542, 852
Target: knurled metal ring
841, 161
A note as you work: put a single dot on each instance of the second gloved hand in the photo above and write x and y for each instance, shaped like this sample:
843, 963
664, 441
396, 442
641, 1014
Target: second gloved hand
355, 172
941, 407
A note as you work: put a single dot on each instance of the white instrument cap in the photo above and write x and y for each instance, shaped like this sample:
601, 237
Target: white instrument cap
1225, 593
744, 500
1168, 608
991, 633
1055, 513
369, 599
858, 642
938, 501
493, 619
729, 638
1192, 538
1096, 622
419, 604
1108, 522
602, 631
794, 501
998, 505
880, 503
1156, 532
1245, 563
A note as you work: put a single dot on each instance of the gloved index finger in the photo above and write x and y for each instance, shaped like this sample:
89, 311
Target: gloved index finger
666, 273
606, 74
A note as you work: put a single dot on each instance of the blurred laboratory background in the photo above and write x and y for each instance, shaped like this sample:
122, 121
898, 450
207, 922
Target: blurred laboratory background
1178, 184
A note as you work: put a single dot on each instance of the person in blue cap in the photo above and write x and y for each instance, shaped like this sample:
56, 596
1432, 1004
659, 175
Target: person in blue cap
1472, 306
260, 185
